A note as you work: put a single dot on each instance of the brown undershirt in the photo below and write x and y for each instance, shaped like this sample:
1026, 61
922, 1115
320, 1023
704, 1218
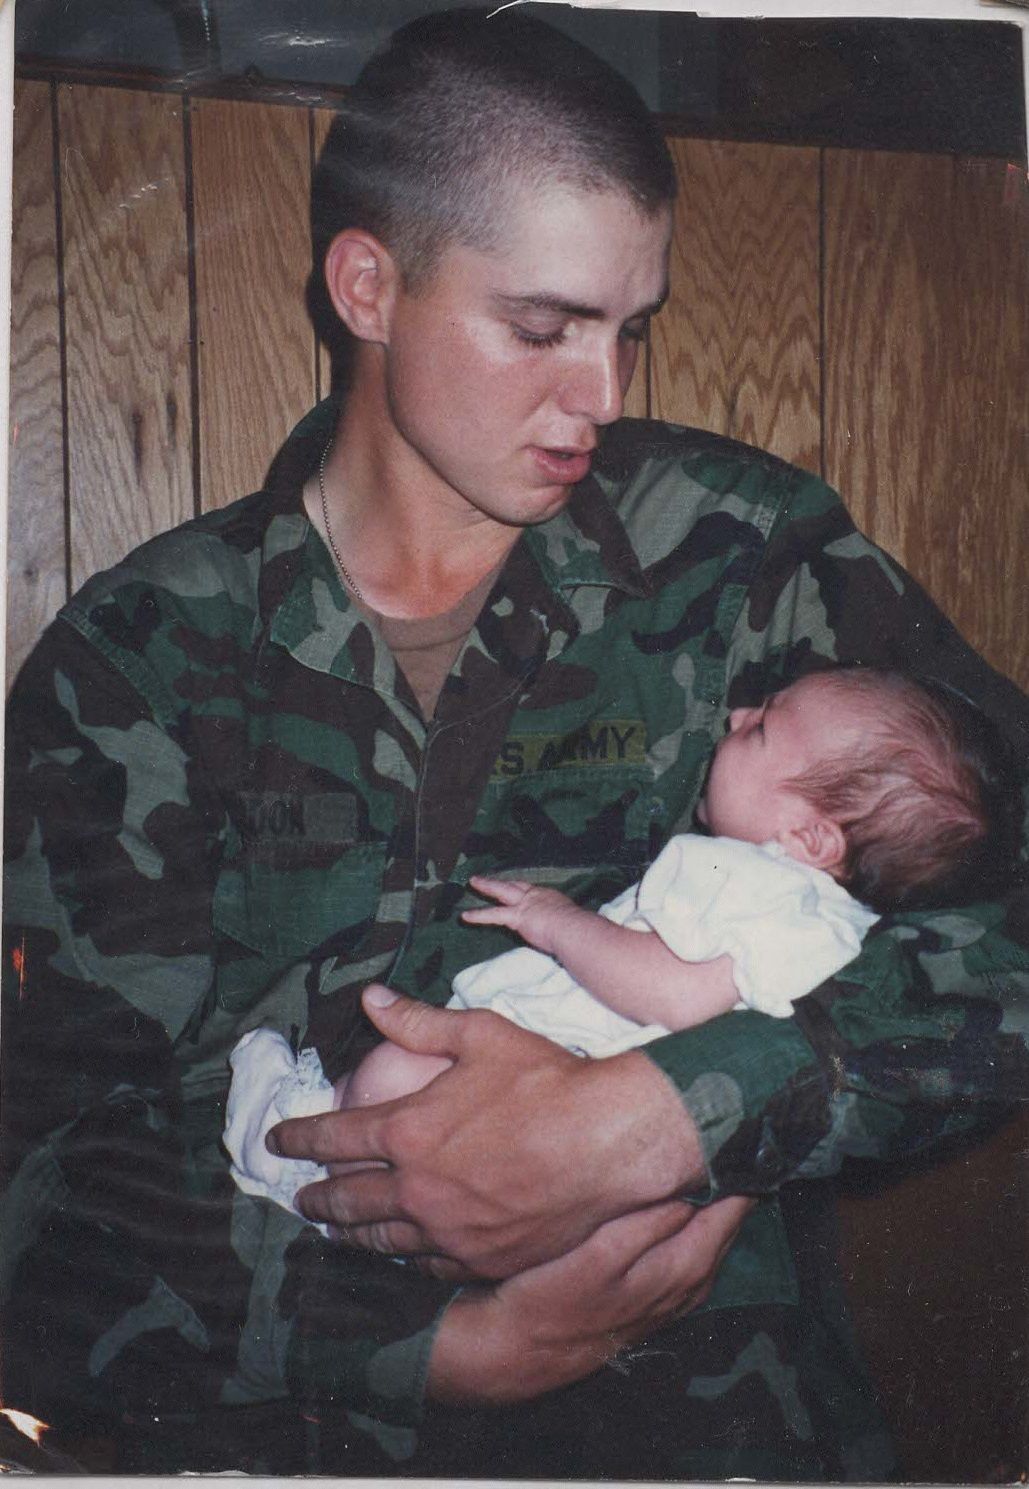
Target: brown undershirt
425, 649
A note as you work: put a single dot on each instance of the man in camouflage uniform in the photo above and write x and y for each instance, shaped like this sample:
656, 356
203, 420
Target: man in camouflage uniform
227, 807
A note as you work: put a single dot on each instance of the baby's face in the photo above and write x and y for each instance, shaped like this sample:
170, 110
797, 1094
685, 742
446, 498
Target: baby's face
747, 794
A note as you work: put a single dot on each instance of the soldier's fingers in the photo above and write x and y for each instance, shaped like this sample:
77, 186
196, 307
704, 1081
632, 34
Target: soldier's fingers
354, 1202
618, 1245
445, 1268
332, 1137
415, 1025
387, 1237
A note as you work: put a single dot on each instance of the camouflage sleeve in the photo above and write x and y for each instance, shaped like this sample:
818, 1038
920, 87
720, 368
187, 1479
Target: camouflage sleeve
129, 1263
926, 1032
107, 961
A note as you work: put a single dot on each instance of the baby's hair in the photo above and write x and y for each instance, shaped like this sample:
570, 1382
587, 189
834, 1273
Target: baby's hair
930, 803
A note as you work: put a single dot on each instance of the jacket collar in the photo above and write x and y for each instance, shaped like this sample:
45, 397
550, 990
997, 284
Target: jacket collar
304, 606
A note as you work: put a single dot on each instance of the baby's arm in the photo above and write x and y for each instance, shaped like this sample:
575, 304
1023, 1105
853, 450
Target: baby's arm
632, 972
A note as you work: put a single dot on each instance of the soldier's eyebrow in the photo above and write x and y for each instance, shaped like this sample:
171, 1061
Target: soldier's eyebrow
558, 305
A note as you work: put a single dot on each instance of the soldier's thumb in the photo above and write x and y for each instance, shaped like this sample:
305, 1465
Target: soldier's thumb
407, 1022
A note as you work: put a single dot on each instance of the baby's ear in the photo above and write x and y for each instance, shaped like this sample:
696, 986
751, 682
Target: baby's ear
819, 842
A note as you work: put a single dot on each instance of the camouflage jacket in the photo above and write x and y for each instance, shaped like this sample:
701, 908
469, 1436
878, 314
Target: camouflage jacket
224, 810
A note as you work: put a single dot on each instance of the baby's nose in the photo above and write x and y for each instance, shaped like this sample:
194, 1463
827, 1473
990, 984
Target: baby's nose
738, 716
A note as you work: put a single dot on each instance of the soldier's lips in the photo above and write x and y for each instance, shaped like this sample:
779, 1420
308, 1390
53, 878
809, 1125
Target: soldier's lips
565, 467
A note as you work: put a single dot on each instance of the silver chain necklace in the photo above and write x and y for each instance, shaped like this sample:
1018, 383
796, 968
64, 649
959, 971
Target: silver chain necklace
348, 578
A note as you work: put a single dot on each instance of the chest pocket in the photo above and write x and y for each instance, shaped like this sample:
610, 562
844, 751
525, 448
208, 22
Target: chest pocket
579, 815
293, 877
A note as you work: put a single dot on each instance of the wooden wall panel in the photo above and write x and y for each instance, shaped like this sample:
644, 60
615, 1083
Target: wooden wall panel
636, 400
36, 542
736, 349
927, 348
252, 184
127, 319
321, 120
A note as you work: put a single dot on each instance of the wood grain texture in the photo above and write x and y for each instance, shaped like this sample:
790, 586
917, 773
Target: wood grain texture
636, 399
251, 182
127, 320
927, 348
736, 349
35, 538
321, 120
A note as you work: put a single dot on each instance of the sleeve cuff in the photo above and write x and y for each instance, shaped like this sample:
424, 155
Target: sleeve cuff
757, 1096
363, 1330
381, 1381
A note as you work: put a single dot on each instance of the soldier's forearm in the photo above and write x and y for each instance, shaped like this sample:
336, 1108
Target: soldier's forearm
562, 1320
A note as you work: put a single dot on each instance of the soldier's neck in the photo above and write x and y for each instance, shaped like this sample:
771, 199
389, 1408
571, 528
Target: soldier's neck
411, 546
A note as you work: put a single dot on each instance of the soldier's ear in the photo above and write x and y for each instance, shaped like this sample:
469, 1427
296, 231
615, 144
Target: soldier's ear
362, 279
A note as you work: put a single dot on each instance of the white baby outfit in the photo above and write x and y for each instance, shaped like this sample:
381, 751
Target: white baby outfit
786, 926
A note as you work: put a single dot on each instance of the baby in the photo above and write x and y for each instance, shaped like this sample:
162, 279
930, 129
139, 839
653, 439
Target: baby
848, 794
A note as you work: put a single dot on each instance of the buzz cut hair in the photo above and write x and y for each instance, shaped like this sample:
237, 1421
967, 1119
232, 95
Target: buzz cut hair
460, 109
930, 804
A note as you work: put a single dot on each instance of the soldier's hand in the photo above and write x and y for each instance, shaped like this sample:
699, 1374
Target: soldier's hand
511, 1157
562, 1320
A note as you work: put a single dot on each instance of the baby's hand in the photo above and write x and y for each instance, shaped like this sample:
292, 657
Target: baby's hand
534, 912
